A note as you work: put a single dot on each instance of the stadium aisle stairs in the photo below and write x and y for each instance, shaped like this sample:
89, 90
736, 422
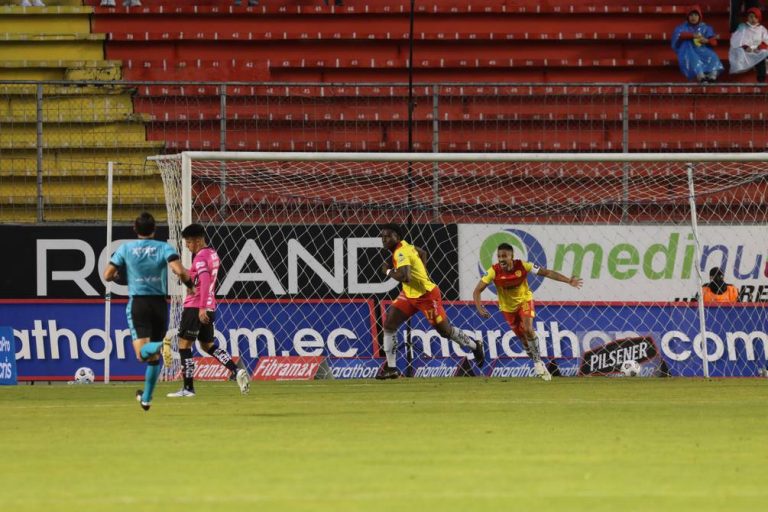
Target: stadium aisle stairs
84, 126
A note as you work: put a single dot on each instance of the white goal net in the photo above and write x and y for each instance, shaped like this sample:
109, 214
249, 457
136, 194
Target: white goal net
299, 239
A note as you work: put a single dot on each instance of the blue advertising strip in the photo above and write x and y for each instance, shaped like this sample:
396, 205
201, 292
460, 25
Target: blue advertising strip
431, 367
54, 339
523, 367
354, 368
7, 357
736, 343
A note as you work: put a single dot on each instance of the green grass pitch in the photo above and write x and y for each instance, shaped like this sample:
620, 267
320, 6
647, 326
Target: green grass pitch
592, 444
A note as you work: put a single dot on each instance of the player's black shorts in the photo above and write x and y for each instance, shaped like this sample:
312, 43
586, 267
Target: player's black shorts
191, 329
148, 317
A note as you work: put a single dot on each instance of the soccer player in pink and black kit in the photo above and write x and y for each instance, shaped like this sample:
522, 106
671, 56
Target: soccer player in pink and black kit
199, 314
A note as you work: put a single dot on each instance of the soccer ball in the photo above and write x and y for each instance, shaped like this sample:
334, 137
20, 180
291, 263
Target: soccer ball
84, 376
630, 368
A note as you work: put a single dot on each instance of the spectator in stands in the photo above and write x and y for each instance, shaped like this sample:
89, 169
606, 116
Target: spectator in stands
717, 291
693, 42
126, 3
749, 46
251, 3
739, 9
33, 3
337, 3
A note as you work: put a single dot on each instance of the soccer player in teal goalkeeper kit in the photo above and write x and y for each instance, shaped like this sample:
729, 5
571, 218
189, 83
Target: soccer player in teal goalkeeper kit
146, 263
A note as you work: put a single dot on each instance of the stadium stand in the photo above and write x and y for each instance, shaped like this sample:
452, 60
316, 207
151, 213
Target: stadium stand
495, 45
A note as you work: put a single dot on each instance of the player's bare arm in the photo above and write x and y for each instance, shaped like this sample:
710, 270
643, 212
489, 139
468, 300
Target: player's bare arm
111, 273
574, 281
402, 274
178, 269
478, 303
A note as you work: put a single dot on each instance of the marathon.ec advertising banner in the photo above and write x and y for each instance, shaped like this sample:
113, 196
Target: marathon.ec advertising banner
52, 339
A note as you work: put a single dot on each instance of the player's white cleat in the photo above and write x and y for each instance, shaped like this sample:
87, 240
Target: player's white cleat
243, 381
182, 393
541, 370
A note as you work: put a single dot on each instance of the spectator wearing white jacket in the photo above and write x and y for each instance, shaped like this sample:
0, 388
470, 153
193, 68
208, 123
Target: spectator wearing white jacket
749, 46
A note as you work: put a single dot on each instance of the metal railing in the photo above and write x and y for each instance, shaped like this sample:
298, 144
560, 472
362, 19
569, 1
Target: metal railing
57, 137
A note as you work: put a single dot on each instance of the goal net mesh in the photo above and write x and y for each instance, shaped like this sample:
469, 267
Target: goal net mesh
301, 257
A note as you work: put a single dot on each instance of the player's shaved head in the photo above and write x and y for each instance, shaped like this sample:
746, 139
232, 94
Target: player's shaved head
144, 225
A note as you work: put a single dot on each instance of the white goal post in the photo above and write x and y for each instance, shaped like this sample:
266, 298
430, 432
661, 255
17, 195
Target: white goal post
298, 234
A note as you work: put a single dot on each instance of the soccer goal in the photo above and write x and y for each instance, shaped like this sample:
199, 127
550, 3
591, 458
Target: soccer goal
299, 238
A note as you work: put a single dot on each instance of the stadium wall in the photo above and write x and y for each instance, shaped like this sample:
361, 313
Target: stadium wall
56, 314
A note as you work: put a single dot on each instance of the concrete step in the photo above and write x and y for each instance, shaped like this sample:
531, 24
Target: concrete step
73, 134
89, 161
22, 214
61, 19
81, 191
99, 143
60, 69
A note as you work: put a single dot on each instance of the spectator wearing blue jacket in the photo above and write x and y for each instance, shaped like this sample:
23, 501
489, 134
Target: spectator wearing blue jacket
693, 42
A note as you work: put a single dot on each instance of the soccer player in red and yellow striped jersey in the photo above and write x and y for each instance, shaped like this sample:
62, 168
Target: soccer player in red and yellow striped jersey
419, 293
516, 299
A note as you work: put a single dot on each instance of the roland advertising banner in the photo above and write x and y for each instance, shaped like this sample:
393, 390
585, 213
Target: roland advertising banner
276, 261
620, 262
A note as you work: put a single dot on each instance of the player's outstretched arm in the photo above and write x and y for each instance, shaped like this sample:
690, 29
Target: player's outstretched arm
574, 281
478, 303
402, 274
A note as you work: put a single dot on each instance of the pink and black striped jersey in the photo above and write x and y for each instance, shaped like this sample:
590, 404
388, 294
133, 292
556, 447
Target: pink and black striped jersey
205, 268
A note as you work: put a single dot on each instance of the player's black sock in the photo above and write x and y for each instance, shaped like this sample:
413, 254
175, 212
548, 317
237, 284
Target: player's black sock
224, 359
187, 368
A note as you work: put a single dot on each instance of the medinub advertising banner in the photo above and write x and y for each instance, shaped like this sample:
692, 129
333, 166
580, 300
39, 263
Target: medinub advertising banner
649, 263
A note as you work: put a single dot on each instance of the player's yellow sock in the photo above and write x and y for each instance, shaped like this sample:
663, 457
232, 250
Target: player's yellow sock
167, 352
